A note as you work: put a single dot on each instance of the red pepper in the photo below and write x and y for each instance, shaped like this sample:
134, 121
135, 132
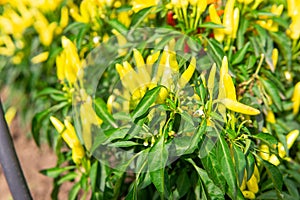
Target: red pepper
186, 48
170, 19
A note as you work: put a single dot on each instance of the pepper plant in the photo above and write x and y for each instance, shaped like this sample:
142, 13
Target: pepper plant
171, 99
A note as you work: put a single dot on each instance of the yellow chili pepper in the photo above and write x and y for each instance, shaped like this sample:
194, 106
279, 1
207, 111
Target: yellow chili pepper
201, 6
163, 94
294, 12
288, 76
40, 57
60, 71
128, 76
291, 5
291, 138
138, 5
243, 185
88, 118
256, 4
151, 59
188, 73
218, 32
58, 125
252, 184
227, 94
139, 60
222, 92
223, 71
271, 117
230, 92
274, 59
69, 135
172, 61
274, 160
77, 153
264, 152
228, 17
211, 80
281, 150
68, 63
296, 99
9, 47
248, 194
141, 67
236, 20
224, 68
120, 70
239, 107
10, 115
64, 17
277, 11
247, 2
121, 41
256, 173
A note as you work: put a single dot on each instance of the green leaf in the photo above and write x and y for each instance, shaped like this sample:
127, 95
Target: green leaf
272, 77
37, 123
139, 17
115, 24
124, 144
48, 91
95, 176
56, 171
163, 42
273, 92
68, 177
250, 165
132, 193
102, 112
262, 37
227, 167
239, 56
275, 175
216, 51
210, 25
148, 99
213, 168
243, 26
271, 194
74, 26
158, 156
240, 163
183, 183
38, 119
82, 32
256, 47
74, 191
180, 43
267, 138
213, 191
292, 187
193, 143
58, 97
136, 129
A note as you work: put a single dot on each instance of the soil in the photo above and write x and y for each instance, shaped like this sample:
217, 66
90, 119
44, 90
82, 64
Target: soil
33, 159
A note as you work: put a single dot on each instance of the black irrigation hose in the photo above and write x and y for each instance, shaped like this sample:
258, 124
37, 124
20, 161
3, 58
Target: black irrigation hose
10, 163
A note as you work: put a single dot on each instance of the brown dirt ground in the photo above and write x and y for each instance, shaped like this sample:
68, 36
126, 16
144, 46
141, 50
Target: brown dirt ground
32, 160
